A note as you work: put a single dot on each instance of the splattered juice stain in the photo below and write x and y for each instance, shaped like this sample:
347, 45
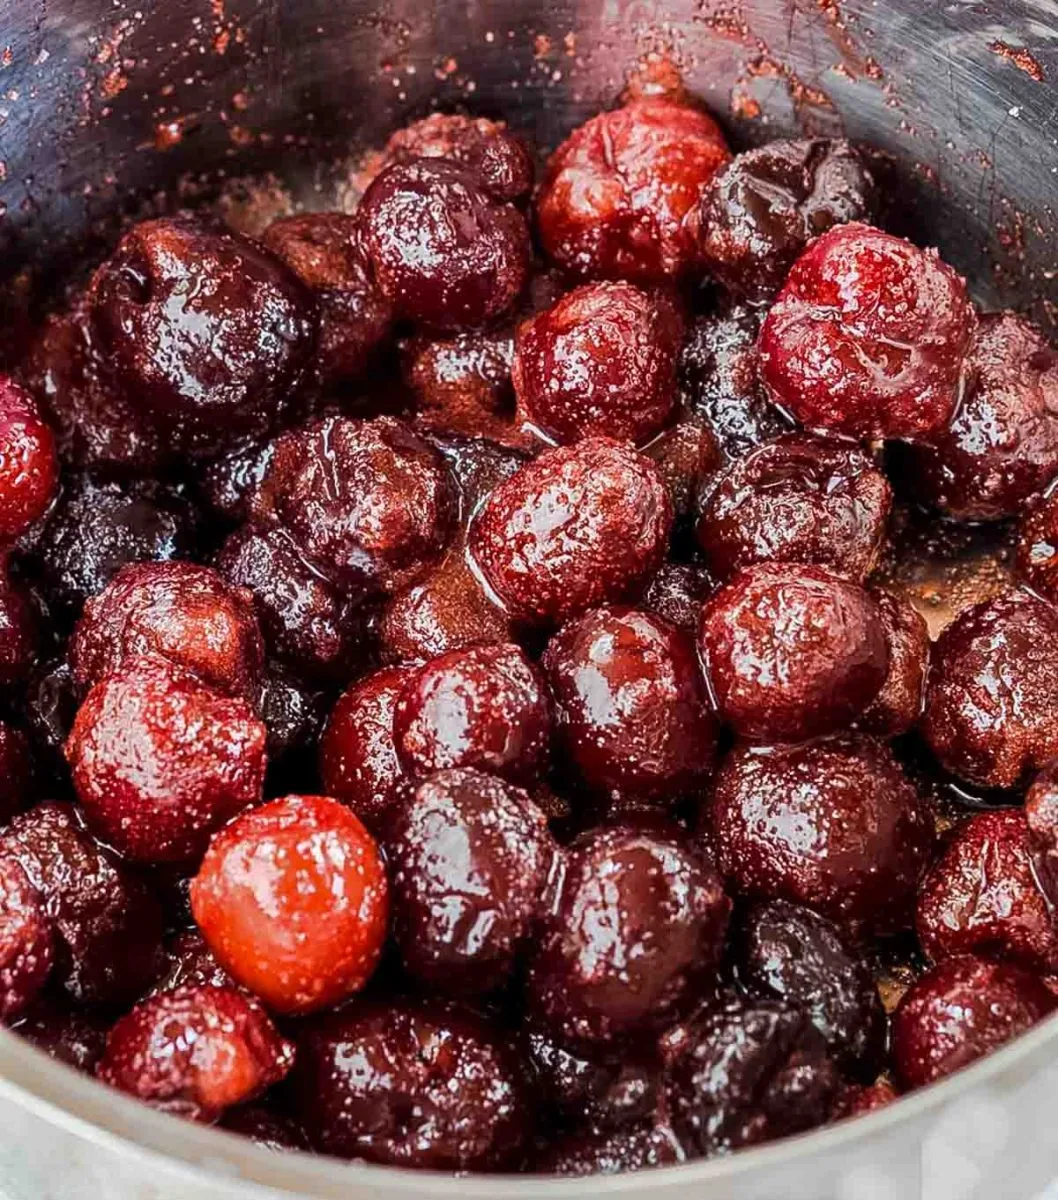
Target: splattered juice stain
1021, 59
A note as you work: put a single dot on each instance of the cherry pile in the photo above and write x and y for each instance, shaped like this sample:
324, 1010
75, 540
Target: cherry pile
453, 716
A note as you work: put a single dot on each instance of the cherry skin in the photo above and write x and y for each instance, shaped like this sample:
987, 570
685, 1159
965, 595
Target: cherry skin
791, 652
981, 896
581, 525
29, 461
486, 707
960, 1011
619, 198
868, 337
195, 1052
292, 900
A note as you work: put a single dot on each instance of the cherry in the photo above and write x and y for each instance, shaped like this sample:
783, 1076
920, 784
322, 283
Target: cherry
633, 716
961, 1010
29, 462
992, 691
600, 361
195, 1052
638, 922
105, 923
445, 252
797, 499
485, 707
358, 753
291, 897
619, 199
833, 825
26, 941
470, 858
498, 157
202, 326
413, 1085
580, 526
898, 705
160, 760
1001, 449
761, 210
789, 953
99, 526
184, 613
369, 503
980, 896
868, 337
791, 652
719, 376
324, 250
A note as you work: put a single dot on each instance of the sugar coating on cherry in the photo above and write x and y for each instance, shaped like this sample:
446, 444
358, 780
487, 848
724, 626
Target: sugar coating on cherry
448, 609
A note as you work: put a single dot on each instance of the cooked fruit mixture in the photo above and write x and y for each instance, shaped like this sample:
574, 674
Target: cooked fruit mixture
456, 712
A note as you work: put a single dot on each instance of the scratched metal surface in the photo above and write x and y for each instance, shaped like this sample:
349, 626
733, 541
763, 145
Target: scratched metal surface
104, 103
